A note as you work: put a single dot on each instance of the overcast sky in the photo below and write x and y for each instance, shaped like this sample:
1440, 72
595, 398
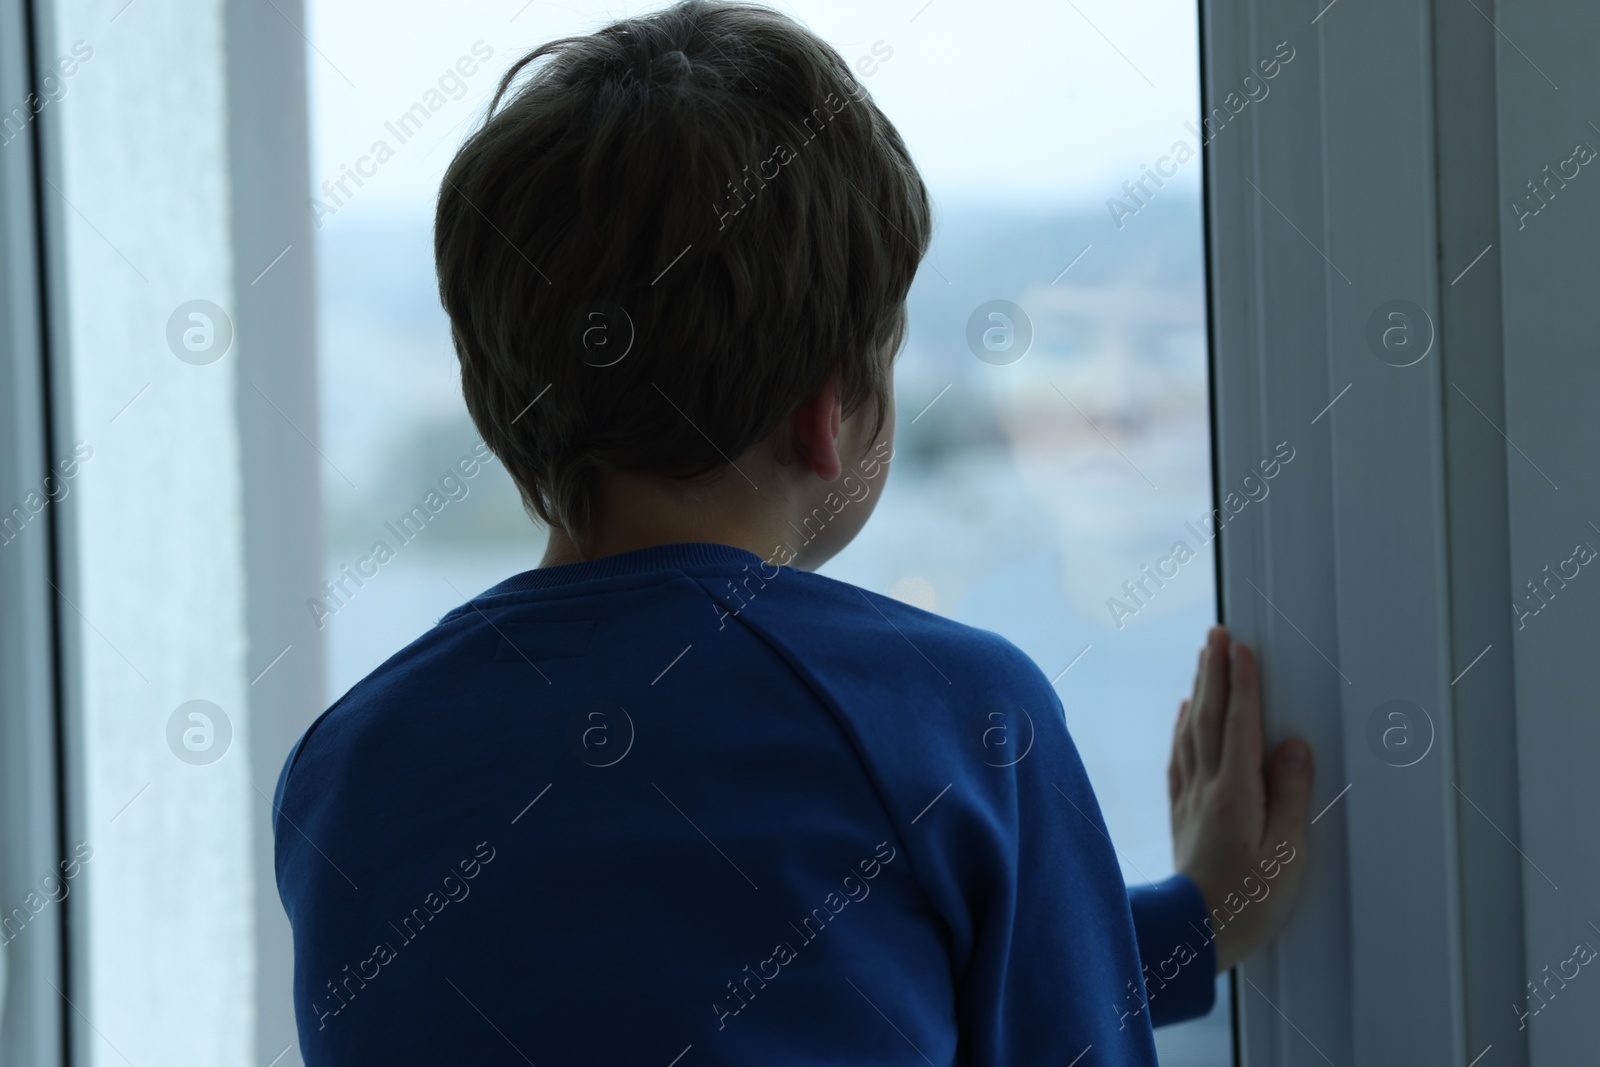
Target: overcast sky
1041, 102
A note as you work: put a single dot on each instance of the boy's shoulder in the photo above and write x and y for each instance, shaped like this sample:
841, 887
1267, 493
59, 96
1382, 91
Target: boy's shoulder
861, 652
836, 628
934, 708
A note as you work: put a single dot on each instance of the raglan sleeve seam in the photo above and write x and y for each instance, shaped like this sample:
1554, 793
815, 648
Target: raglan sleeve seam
841, 723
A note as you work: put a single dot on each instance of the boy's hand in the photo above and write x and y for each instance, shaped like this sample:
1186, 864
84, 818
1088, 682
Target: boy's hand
1238, 832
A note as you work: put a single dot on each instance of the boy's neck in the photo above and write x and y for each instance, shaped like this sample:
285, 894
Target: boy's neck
636, 516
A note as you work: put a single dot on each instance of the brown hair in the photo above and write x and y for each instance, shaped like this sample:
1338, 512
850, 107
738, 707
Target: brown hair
705, 192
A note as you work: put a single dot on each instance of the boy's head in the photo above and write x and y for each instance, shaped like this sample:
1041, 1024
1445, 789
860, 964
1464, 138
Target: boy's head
667, 236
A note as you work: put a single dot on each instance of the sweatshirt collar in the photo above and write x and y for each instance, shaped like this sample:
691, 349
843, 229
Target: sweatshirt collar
669, 557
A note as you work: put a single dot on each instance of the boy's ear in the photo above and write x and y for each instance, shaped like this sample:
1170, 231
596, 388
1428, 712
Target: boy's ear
814, 428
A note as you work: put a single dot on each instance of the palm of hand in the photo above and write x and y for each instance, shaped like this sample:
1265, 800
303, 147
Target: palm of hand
1238, 831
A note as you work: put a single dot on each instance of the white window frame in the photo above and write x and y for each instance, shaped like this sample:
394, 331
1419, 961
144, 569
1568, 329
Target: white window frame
1385, 565
31, 836
1549, 322
78, 213
1310, 578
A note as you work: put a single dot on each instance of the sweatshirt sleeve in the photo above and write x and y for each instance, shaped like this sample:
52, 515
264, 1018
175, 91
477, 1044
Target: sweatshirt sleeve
1017, 858
967, 744
1179, 957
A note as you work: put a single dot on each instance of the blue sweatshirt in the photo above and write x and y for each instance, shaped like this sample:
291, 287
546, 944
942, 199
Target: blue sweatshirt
681, 806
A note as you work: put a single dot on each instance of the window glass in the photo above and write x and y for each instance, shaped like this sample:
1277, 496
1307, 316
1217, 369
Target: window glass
1053, 446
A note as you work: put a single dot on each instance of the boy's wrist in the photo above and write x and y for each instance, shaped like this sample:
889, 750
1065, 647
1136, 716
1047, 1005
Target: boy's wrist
1224, 940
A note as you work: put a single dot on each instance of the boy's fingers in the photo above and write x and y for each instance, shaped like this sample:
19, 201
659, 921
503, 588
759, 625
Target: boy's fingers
1241, 731
1183, 743
1187, 710
1212, 704
1199, 672
1289, 781
1172, 760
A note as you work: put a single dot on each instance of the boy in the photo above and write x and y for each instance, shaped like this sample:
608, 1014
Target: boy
671, 798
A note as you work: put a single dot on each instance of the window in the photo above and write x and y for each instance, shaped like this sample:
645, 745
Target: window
1053, 438
1114, 327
